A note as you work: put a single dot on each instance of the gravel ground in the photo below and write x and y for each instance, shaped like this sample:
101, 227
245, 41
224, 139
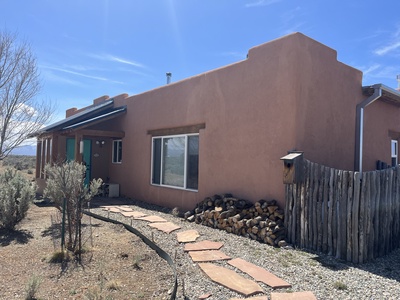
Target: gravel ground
325, 276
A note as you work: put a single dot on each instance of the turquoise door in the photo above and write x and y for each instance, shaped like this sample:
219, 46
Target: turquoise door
87, 157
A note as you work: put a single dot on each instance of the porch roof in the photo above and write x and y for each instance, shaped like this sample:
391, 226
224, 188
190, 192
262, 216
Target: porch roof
90, 116
388, 94
97, 119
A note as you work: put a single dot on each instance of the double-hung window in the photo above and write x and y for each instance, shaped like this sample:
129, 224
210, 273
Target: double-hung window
117, 152
175, 161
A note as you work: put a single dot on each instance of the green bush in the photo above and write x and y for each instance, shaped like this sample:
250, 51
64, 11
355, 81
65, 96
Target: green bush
66, 181
16, 193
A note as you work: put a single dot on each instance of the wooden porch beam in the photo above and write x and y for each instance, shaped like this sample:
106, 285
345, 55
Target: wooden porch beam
99, 133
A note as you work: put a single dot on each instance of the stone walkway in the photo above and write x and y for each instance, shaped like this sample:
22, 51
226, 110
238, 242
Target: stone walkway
205, 252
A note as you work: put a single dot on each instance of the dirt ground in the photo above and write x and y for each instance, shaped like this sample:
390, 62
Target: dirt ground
116, 265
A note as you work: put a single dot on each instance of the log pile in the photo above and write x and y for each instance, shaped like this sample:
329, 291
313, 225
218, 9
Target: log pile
261, 221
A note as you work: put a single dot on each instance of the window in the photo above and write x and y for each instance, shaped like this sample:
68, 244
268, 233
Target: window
117, 152
394, 153
175, 161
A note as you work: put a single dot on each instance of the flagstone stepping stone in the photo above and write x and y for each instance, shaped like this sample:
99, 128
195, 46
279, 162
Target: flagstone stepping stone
152, 219
208, 255
205, 296
203, 245
230, 279
125, 208
133, 214
166, 227
253, 298
107, 207
114, 209
187, 236
293, 296
259, 274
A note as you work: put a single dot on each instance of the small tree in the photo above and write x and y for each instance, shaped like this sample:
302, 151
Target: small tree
16, 193
21, 114
66, 188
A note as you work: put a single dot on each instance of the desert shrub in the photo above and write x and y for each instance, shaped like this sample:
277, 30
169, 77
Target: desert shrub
65, 182
32, 287
113, 285
16, 193
59, 257
20, 162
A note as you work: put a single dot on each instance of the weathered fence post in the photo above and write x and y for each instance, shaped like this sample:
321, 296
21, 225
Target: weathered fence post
293, 177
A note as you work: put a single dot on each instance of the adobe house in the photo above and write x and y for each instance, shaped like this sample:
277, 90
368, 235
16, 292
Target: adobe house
225, 130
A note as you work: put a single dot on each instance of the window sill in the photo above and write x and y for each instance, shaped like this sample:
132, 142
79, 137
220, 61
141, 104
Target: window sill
174, 187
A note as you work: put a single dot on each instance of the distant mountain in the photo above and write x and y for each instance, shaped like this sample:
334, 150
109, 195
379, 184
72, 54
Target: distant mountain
24, 150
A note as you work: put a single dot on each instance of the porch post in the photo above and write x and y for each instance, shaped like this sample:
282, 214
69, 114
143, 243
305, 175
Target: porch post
38, 157
54, 149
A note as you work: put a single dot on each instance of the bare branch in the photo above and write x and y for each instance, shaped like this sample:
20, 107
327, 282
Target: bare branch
21, 114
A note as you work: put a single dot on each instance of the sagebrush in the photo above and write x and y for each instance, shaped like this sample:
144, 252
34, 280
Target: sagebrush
16, 193
66, 187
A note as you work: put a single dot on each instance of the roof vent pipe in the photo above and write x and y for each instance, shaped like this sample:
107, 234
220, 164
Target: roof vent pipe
169, 75
398, 82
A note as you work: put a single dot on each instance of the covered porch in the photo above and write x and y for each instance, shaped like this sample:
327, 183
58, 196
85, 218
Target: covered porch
89, 136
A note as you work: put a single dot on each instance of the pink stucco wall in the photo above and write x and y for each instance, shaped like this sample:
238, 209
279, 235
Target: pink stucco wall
379, 119
290, 93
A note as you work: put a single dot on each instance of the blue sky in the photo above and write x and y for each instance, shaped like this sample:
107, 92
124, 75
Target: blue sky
89, 48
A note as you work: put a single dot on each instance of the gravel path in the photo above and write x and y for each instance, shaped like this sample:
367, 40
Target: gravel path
326, 277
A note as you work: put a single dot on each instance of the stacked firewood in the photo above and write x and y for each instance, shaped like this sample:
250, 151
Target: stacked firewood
261, 221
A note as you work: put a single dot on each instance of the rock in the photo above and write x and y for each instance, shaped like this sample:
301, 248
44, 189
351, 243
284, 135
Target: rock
282, 244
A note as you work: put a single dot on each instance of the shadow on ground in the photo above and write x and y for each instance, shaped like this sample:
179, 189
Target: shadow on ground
17, 236
387, 266
99, 201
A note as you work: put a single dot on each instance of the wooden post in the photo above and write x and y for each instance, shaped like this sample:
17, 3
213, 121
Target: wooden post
319, 207
325, 210
338, 218
330, 211
349, 233
356, 204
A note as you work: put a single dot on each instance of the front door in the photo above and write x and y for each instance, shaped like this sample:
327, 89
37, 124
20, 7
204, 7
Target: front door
87, 150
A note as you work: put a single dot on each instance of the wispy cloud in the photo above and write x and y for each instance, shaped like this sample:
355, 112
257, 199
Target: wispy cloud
112, 58
371, 69
294, 28
290, 20
79, 74
388, 48
392, 45
379, 73
49, 75
262, 3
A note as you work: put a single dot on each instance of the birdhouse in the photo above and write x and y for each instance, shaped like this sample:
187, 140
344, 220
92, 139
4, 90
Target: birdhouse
293, 171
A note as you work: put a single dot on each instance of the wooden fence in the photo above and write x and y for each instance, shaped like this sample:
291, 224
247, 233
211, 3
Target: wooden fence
343, 214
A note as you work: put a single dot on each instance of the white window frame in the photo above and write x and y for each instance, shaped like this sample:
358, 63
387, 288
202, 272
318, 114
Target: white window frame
119, 159
395, 151
162, 162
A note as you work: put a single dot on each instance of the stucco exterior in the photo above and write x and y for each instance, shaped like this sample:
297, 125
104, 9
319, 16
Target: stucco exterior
289, 94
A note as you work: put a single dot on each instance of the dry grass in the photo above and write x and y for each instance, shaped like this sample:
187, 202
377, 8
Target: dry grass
103, 274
